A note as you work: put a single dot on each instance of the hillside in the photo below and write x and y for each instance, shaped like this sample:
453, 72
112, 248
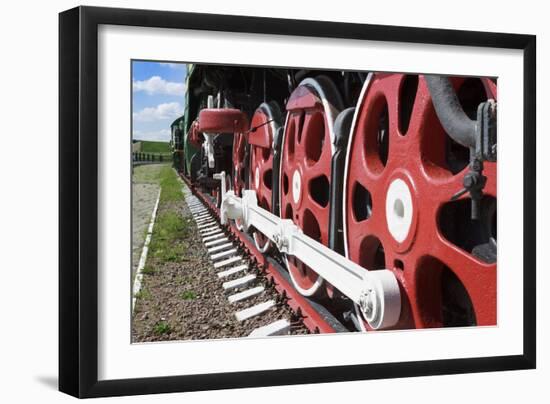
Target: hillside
154, 147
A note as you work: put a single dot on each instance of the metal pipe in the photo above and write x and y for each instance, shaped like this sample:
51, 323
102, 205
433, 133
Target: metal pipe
449, 111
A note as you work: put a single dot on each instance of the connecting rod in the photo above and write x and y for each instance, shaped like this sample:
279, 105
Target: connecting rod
375, 292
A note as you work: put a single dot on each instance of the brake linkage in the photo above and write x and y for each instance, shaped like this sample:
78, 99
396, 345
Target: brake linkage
485, 150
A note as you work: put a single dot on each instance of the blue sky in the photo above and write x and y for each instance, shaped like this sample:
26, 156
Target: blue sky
158, 97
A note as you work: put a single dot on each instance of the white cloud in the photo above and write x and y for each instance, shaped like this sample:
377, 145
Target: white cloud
170, 110
173, 65
157, 85
162, 135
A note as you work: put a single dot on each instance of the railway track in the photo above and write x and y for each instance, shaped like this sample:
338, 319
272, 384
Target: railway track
253, 283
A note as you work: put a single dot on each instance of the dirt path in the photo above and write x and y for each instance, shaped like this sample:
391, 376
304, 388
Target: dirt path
145, 188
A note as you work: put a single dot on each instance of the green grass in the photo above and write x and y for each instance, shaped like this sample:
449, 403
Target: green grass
143, 294
170, 185
165, 176
148, 271
171, 228
154, 147
149, 173
188, 295
162, 327
168, 234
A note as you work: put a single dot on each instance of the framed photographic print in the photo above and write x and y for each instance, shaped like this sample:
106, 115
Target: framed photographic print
251, 201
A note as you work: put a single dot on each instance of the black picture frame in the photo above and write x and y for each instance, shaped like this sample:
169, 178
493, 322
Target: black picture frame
78, 200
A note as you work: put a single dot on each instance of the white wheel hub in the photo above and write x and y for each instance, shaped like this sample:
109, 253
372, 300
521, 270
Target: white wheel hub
399, 209
296, 186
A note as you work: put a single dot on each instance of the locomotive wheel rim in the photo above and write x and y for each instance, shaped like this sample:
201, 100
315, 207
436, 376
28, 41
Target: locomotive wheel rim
306, 281
239, 163
260, 165
239, 168
424, 253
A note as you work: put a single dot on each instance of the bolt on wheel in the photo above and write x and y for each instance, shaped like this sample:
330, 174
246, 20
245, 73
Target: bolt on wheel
305, 172
401, 171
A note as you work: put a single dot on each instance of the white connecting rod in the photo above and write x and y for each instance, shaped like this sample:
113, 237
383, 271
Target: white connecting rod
376, 292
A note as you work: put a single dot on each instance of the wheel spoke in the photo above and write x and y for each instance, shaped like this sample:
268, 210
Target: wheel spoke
422, 111
399, 146
478, 278
447, 185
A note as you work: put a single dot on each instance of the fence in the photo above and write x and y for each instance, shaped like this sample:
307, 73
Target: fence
139, 157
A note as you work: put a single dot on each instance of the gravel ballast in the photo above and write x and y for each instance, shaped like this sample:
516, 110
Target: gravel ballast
185, 300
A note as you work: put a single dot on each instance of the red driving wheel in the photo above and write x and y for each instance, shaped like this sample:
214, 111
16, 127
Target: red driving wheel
307, 150
266, 124
194, 136
401, 171
239, 166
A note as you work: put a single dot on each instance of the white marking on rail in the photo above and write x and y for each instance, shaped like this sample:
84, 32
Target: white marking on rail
208, 216
213, 237
237, 283
214, 242
232, 271
209, 229
245, 294
223, 254
206, 225
139, 271
204, 219
220, 247
279, 327
228, 261
212, 232
254, 310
